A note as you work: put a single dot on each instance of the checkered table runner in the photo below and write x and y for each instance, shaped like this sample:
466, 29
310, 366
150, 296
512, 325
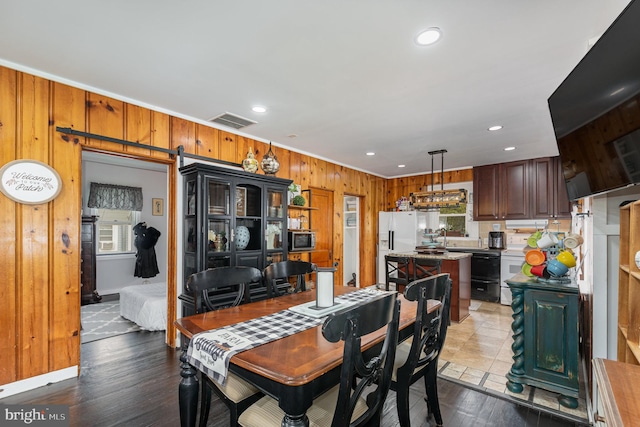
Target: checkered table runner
210, 351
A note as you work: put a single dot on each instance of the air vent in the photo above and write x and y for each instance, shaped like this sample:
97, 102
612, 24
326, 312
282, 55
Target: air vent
231, 120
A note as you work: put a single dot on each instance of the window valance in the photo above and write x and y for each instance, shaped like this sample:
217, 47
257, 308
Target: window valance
109, 196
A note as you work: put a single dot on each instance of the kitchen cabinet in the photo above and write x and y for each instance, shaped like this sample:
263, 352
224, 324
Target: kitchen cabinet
524, 189
629, 285
232, 217
501, 191
548, 190
545, 336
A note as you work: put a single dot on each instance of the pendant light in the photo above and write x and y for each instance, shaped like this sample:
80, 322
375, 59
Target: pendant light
436, 199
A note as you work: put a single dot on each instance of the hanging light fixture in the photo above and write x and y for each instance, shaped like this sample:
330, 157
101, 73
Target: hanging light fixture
436, 199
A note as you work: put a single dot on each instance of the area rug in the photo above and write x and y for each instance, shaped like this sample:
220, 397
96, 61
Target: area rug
103, 320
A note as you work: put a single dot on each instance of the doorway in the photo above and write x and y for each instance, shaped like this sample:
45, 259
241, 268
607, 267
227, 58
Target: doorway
351, 242
322, 223
116, 270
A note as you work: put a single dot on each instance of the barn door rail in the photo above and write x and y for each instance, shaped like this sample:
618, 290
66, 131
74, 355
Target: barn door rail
178, 152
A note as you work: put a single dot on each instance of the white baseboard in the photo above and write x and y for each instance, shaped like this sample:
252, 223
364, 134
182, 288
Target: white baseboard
10, 389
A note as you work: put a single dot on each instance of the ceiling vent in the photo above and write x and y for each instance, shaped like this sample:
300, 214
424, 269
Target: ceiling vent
233, 121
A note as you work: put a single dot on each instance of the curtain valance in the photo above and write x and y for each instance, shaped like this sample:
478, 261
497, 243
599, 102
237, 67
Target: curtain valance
109, 196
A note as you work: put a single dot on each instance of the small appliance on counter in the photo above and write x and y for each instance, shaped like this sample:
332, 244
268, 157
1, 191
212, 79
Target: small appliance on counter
496, 240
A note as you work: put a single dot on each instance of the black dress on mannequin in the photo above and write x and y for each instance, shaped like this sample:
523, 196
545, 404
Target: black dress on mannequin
146, 239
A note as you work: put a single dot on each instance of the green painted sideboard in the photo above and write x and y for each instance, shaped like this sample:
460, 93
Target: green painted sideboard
545, 338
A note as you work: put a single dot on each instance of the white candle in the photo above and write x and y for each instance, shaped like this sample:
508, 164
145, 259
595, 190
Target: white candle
324, 289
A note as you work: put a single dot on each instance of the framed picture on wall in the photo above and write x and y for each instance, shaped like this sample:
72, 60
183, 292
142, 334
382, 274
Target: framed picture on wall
157, 207
241, 201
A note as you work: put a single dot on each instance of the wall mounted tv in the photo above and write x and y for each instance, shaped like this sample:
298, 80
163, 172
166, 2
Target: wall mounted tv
596, 112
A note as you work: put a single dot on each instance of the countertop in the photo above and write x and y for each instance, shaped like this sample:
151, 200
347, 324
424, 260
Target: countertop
444, 256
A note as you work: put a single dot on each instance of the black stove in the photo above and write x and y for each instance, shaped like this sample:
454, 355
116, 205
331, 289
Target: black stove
485, 272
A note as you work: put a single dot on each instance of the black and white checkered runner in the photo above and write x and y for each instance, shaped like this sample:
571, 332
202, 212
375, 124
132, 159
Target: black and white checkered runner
210, 351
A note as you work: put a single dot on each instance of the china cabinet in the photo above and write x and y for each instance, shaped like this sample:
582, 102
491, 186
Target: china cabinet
232, 217
88, 292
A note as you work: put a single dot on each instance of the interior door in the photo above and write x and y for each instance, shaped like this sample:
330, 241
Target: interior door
322, 223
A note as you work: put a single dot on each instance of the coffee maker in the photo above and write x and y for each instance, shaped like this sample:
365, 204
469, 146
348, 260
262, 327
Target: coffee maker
496, 240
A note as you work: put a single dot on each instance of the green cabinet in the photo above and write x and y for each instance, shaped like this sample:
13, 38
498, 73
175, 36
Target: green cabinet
545, 335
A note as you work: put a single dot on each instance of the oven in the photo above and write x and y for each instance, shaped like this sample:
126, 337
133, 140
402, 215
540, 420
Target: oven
511, 263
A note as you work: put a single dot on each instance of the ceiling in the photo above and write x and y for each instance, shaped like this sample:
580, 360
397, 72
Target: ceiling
338, 78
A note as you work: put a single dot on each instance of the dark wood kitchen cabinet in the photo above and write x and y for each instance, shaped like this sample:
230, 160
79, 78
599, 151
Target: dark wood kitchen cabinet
524, 189
500, 191
549, 197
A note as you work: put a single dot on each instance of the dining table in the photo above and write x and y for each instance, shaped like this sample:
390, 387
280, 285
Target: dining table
294, 370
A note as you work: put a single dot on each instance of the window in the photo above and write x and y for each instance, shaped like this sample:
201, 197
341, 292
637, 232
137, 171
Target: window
115, 231
453, 219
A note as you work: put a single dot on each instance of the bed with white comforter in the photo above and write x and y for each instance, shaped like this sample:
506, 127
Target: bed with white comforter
146, 305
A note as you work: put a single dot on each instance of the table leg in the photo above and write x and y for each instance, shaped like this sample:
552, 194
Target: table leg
295, 420
187, 391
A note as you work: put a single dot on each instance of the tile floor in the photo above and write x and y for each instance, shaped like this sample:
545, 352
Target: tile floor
477, 352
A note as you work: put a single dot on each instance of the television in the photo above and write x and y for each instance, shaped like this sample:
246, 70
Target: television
596, 112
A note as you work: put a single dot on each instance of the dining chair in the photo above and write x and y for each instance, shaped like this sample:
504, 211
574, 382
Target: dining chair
346, 404
425, 267
417, 357
213, 289
279, 272
396, 271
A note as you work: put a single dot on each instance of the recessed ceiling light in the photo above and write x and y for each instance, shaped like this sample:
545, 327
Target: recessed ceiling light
259, 109
496, 127
428, 36
400, 166
371, 153
509, 148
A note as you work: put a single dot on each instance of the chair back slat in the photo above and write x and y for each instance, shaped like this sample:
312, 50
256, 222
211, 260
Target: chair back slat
360, 371
279, 272
221, 287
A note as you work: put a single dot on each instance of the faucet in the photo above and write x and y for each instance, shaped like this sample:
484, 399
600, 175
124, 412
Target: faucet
444, 234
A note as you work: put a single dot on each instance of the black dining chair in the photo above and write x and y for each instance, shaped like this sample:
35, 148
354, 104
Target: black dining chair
425, 267
360, 375
417, 357
397, 271
280, 272
213, 289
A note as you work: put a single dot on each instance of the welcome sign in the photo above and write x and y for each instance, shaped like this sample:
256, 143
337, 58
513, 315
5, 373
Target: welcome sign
30, 182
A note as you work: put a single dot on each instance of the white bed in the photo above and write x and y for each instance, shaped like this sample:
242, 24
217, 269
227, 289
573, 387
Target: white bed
146, 305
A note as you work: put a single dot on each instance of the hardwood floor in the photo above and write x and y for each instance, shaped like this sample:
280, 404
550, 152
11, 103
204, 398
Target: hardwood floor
132, 380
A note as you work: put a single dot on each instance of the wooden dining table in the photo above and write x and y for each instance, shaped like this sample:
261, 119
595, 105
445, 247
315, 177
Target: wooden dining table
294, 370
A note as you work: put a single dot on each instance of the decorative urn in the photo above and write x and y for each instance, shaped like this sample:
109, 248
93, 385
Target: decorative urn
270, 164
250, 164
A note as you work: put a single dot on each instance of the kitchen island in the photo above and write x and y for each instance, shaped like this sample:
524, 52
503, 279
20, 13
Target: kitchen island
458, 265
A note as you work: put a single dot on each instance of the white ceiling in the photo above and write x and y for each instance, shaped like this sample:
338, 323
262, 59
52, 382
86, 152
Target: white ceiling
343, 75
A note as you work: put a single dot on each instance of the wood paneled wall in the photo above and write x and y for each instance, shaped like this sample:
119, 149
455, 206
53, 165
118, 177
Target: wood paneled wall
40, 257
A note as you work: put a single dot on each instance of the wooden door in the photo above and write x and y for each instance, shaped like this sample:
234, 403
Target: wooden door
542, 188
563, 206
322, 223
486, 192
514, 190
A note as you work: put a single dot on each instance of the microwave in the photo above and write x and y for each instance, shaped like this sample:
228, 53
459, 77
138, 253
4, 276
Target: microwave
301, 240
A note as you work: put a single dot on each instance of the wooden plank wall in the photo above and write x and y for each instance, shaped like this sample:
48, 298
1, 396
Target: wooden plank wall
40, 260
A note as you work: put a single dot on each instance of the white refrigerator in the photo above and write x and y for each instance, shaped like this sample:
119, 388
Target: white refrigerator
401, 232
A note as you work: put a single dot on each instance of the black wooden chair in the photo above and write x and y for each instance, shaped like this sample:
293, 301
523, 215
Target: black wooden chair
417, 357
425, 267
213, 289
346, 402
397, 271
279, 272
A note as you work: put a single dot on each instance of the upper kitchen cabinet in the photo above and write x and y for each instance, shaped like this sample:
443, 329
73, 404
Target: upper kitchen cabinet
500, 191
232, 217
548, 190
524, 189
